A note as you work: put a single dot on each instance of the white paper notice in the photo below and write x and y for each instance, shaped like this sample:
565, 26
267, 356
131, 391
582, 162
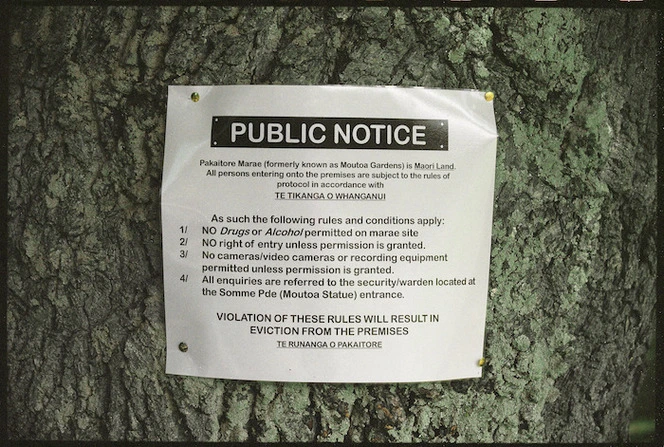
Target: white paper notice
327, 233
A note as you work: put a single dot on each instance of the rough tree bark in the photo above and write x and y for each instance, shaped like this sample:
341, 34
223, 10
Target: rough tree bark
571, 305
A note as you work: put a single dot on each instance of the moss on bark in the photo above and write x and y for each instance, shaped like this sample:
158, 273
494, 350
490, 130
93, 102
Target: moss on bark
571, 305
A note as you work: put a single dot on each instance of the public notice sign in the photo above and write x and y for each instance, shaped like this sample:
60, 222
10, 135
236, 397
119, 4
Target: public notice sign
327, 233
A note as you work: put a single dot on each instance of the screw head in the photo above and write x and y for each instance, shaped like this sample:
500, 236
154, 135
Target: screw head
183, 347
488, 96
195, 97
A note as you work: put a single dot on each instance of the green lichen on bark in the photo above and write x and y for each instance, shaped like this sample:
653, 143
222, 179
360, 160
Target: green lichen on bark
571, 295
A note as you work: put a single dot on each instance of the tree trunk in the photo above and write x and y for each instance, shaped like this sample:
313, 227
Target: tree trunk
572, 288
